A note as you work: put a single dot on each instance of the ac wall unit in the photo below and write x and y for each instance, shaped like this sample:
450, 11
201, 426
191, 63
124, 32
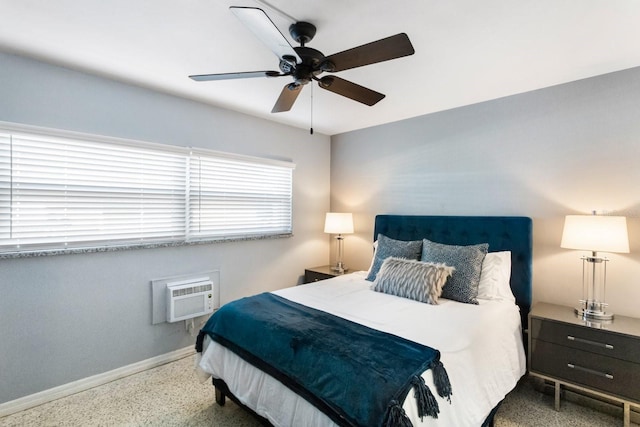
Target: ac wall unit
189, 298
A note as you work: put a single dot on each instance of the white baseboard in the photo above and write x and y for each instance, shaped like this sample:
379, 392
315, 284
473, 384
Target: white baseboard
68, 389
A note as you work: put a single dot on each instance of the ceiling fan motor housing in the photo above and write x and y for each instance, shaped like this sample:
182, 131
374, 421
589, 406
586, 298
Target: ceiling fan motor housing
312, 64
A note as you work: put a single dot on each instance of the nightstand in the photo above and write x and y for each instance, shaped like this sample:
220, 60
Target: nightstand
319, 273
597, 357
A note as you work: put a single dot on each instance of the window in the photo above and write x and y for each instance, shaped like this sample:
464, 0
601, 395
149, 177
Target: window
61, 191
230, 197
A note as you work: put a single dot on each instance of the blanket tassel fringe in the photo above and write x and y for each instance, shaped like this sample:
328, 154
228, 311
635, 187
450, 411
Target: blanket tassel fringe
426, 402
397, 417
441, 380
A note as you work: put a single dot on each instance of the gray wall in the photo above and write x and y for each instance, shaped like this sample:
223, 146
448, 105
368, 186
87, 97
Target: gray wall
63, 318
562, 150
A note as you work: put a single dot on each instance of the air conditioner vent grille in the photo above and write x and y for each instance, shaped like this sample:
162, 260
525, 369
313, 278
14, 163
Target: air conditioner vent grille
192, 290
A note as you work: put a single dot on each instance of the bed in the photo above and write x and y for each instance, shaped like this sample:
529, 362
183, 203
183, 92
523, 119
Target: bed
480, 345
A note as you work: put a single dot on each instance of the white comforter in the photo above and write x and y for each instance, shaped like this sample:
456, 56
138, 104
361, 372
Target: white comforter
480, 345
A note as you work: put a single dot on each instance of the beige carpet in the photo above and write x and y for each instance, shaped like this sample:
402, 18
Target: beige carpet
171, 395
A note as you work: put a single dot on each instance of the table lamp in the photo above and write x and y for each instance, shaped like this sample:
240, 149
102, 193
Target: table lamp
595, 233
339, 224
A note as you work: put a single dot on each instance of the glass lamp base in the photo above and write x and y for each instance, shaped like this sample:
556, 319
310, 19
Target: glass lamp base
339, 268
593, 310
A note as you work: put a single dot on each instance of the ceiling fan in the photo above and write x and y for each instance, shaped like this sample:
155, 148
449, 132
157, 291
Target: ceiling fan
305, 64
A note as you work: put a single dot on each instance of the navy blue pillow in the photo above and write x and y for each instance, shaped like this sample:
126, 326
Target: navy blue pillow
388, 247
462, 286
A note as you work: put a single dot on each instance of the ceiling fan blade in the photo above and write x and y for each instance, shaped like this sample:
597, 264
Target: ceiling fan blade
378, 51
229, 76
350, 90
256, 20
287, 97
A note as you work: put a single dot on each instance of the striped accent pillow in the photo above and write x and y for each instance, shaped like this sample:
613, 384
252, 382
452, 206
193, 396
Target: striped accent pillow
416, 280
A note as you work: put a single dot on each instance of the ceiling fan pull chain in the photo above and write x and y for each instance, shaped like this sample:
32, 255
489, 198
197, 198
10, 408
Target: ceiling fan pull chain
311, 109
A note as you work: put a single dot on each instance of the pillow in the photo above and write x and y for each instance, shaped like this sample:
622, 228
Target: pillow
408, 278
495, 276
375, 248
467, 260
396, 248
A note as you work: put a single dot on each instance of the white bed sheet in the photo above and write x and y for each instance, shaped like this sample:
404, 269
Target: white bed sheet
480, 345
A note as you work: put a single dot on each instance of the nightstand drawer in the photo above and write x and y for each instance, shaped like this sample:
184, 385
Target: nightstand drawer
603, 358
314, 276
323, 272
591, 370
582, 338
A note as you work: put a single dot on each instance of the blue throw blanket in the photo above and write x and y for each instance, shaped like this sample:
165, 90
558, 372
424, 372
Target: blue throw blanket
356, 375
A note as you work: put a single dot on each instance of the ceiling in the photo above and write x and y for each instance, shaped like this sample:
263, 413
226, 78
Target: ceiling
467, 51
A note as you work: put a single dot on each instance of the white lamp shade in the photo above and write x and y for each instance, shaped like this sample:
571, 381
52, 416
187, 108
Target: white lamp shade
338, 223
595, 233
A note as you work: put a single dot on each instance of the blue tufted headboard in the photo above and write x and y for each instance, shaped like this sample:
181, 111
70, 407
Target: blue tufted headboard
503, 233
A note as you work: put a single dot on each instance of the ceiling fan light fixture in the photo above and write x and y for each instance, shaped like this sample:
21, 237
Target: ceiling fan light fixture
327, 66
290, 59
326, 82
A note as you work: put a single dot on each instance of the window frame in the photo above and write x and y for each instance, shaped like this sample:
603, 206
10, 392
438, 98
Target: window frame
186, 236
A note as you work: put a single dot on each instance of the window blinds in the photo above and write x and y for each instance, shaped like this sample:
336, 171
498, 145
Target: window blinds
5, 187
58, 192
229, 197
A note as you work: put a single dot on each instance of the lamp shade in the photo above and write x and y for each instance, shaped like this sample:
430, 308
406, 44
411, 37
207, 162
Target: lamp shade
338, 223
595, 233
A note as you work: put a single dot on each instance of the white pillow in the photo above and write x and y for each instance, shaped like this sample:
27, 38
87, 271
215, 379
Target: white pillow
495, 277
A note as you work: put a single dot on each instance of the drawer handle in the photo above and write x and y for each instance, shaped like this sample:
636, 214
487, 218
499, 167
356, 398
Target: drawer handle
596, 343
590, 371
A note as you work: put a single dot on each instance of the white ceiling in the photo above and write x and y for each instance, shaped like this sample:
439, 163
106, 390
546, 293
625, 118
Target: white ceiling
467, 51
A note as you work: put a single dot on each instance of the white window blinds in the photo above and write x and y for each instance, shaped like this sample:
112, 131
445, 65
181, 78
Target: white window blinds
58, 192
5, 187
230, 197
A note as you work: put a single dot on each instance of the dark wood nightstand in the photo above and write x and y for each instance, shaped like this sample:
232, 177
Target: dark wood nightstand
319, 273
600, 358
